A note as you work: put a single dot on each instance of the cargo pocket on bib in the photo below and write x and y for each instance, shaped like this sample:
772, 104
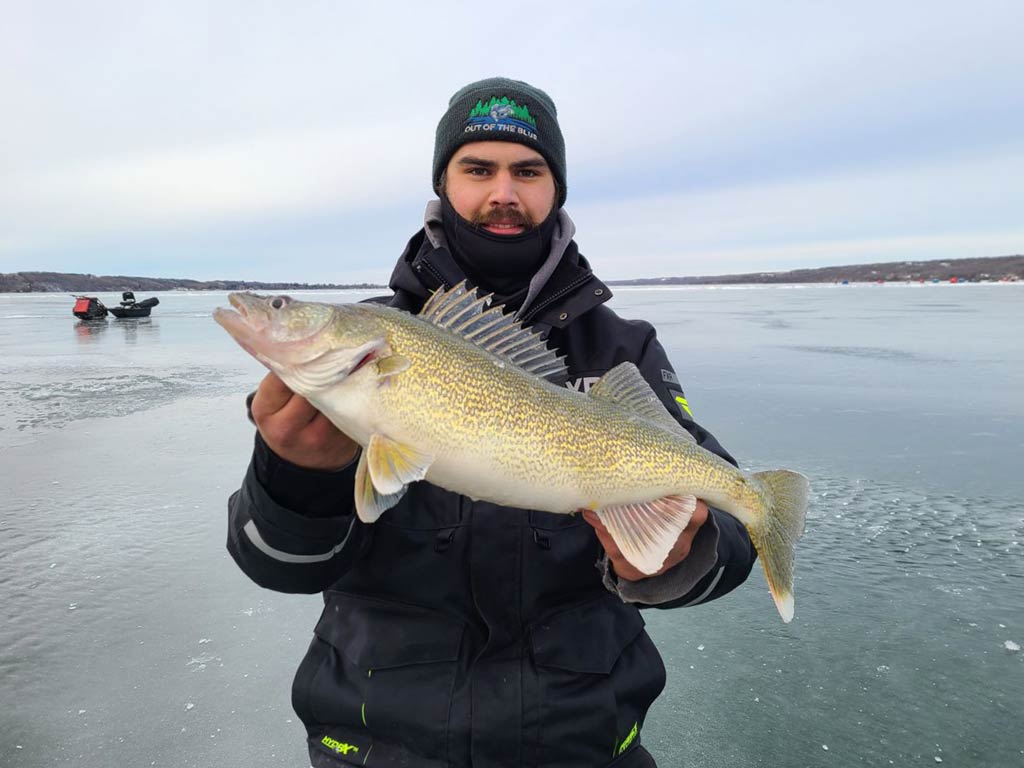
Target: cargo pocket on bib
384, 668
577, 655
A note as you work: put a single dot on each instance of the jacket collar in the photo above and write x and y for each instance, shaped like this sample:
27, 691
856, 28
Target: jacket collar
564, 287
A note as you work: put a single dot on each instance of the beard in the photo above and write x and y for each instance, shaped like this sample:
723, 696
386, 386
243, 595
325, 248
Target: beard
507, 215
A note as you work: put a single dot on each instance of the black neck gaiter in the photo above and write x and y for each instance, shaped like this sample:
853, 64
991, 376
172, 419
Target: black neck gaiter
500, 263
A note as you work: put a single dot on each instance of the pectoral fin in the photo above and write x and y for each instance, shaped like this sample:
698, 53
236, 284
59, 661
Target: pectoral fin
392, 365
645, 533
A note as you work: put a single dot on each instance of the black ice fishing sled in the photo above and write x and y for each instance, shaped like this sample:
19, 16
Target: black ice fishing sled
130, 308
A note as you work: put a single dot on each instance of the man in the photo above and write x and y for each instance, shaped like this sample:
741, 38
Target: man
460, 633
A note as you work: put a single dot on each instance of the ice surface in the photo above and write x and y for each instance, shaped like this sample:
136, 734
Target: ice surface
124, 445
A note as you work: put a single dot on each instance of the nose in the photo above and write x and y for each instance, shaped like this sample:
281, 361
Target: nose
503, 193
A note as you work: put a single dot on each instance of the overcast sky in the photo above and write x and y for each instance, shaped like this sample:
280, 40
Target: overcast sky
292, 140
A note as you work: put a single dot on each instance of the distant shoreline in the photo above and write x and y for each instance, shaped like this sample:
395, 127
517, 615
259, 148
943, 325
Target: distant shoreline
991, 269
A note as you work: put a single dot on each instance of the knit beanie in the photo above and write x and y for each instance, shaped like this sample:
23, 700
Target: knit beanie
500, 109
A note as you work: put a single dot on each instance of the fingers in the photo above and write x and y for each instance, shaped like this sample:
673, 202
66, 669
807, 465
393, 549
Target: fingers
320, 433
590, 516
297, 413
602, 533
289, 427
699, 517
280, 415
271, 395
273, 398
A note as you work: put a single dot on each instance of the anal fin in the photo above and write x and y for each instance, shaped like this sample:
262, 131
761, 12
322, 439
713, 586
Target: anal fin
646, 532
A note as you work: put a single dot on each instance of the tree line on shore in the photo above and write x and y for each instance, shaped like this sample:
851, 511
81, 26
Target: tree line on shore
990, 269
68, 282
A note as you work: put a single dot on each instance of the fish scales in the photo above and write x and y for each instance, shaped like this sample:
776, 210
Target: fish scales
430, 403
470, 404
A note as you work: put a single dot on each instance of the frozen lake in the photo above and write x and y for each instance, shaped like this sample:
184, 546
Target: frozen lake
130, 638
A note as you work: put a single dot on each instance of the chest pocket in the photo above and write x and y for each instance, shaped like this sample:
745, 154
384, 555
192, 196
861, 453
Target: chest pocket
597, 674
379, 676
550, 521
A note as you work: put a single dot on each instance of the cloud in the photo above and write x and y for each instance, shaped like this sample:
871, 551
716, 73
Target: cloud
162, 192
235, 133
939, 210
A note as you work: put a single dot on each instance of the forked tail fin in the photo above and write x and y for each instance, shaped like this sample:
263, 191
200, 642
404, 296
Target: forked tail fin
784, 495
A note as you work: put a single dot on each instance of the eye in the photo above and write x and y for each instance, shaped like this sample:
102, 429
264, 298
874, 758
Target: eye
279, 302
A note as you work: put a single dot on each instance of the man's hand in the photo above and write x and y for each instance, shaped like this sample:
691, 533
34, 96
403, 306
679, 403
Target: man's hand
677, 554
296, 431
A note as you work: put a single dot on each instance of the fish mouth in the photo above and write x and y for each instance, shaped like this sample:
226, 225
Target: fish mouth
238, 301
255, 322
246, 323
237, 319
236, 324
250, 307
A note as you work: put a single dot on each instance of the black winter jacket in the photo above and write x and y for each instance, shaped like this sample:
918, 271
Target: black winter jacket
459, 633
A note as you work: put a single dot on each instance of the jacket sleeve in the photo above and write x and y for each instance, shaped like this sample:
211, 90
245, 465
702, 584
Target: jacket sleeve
292, 529
721, 556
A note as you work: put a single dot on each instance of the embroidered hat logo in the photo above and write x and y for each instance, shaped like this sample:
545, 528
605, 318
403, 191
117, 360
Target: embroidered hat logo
503, 115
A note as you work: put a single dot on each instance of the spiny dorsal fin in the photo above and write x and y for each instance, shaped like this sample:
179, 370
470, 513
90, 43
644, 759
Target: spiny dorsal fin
625, 386
462, 312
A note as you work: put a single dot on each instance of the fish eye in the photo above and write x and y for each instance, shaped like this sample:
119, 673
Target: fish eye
279, 302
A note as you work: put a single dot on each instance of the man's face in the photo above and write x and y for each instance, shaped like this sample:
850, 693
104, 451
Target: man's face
503, 187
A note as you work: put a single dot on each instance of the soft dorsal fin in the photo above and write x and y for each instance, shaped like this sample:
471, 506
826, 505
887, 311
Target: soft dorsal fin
625, 386
462, 312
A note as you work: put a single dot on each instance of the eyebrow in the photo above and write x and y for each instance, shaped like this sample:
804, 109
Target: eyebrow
533, 162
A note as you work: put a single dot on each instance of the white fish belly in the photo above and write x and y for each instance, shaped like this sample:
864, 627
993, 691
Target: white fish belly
481, 478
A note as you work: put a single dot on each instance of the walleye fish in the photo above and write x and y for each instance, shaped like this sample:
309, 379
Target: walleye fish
458, 396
